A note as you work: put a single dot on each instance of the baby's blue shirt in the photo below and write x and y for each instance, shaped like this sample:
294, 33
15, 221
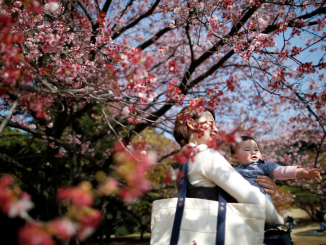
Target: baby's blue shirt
250, 171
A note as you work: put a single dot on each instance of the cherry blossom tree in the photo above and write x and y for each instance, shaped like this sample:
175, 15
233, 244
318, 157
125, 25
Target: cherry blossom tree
301, 148
77, 76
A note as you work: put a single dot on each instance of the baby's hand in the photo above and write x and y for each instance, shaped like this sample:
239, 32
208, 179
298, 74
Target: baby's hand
312, 174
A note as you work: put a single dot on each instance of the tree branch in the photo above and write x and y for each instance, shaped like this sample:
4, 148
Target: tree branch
106, 6
211, 51
154, 38
136, 21
52, 139
190, 44
17, 165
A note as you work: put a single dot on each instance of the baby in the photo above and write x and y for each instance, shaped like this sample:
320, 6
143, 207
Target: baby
247, 155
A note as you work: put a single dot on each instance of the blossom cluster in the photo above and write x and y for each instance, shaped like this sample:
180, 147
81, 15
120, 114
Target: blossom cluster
132, 169
174, 93
187, 153
246, 48
13, 201
29, 36
81, 219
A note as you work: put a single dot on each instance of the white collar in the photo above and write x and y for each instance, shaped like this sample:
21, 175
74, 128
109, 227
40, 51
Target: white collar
201, 147
192, 144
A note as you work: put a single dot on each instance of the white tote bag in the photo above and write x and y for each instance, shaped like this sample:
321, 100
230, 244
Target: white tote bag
188, 221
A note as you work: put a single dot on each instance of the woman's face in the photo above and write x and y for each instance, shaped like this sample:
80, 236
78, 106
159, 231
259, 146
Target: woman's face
203, 129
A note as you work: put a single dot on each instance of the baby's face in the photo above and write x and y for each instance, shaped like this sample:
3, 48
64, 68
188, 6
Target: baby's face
247, 151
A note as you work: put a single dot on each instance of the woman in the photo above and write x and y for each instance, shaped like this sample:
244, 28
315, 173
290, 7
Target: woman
210, 169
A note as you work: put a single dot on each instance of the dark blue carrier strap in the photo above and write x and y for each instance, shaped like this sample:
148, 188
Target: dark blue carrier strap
180, 206
221, 217
220, 229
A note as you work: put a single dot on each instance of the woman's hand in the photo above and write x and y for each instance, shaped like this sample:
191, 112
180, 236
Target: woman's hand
268, 183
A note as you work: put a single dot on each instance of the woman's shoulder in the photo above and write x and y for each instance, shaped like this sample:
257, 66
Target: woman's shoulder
205, 148
205, 152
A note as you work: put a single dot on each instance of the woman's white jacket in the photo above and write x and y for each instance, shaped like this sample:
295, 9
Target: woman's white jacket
210, 168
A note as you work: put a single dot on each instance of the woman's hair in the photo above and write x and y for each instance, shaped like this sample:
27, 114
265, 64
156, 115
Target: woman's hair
233, 148
181, 130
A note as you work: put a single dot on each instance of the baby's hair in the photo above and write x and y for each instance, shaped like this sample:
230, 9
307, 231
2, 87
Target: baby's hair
233, 148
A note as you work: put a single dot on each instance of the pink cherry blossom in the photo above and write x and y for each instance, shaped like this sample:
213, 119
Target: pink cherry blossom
34, 234
20, 207
64, 228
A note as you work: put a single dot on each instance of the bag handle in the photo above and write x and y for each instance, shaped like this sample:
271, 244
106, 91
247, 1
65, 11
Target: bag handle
222, 204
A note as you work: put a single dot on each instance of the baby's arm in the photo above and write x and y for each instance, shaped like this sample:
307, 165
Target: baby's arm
294, 172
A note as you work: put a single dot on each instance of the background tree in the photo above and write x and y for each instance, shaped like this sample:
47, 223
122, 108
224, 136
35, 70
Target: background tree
76, 76
300, 148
